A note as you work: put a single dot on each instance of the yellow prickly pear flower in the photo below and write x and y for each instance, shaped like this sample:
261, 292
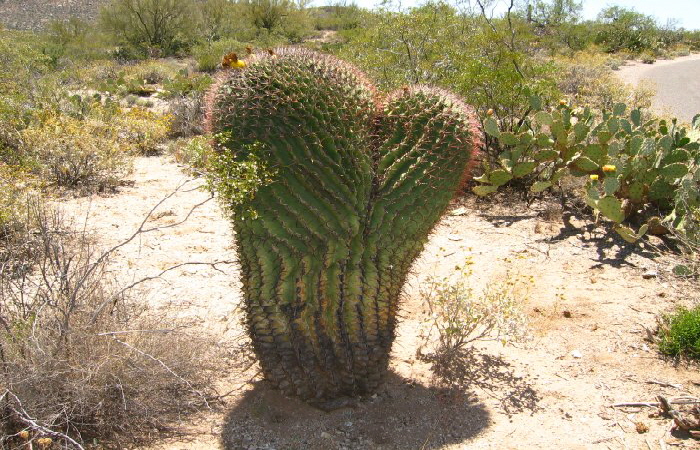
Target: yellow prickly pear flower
594, 177
489, 112
609, 168
231, 61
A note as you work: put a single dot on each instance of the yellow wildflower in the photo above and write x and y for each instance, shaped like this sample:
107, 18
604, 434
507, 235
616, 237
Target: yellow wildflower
489, 112
609, 168
594, 177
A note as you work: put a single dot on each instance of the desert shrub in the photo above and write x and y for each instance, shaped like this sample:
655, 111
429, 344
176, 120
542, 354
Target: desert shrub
78, 154
459, 315
71, 41
278, 17
588, 78
14, 194
187, 118
184, 84
81, 357
148, 28
142, 131
132, 79
679, 333
339, 16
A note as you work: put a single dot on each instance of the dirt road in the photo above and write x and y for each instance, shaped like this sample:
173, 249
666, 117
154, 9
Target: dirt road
677, 84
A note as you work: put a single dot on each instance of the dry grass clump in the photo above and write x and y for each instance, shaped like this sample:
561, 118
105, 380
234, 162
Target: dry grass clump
589, 77
80, 358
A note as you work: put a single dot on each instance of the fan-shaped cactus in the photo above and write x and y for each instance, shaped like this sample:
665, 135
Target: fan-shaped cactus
358, 181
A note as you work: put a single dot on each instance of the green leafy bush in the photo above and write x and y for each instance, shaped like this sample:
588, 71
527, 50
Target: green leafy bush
631, 162
679, 333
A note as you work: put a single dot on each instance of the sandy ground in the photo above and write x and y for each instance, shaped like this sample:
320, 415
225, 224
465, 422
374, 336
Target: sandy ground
677, 84
587, 309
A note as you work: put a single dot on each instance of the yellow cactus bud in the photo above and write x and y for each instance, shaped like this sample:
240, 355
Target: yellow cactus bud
24, 434
609, 168
594, 177
489, 112
562, 102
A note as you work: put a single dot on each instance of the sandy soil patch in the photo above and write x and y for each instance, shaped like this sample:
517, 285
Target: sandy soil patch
588, 311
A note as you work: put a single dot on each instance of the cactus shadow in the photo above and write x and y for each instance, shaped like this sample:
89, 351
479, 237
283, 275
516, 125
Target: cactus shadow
404, 415
466, 369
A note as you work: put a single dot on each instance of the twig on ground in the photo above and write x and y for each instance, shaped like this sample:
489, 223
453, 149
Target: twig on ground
677, 401
663, 383
139, 231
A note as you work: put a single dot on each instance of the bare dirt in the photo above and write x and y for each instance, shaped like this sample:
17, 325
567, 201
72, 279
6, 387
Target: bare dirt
592, 297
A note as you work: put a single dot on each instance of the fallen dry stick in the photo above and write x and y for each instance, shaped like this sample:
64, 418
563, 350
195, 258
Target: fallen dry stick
679, 401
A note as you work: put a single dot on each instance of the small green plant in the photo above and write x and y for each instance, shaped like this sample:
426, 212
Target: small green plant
680, 333
631, 162
461, 315
183, 84
196, 153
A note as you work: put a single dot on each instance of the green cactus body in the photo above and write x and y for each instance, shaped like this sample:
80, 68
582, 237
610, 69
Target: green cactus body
359, 182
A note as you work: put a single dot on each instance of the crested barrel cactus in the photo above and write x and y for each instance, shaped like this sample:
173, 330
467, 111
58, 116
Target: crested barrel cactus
356, 181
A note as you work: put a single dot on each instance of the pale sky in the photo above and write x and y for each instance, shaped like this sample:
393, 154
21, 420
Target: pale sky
686, 12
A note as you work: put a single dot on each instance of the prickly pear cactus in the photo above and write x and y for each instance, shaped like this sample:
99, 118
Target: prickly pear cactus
357, 183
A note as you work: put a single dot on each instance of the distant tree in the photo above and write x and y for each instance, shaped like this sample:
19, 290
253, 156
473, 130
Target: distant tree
216, 18
161, 26
626, 29
549, 13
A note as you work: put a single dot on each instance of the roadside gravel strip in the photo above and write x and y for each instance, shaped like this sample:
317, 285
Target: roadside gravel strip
677, 84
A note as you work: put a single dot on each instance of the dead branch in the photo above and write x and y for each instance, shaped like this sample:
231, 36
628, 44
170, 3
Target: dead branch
165, 366
662, 383
142, 230
679, 401
24, 417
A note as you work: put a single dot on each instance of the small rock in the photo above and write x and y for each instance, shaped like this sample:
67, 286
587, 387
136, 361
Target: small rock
567, 314
325, 435
650, 274
577, 354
